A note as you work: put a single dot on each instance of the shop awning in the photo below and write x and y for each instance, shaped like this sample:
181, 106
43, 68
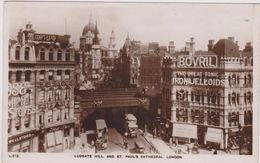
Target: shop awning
58, 135
50, 139
214, 135
185, 131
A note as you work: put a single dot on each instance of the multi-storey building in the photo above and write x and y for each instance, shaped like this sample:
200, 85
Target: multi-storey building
41, 92
150, 73
207, 95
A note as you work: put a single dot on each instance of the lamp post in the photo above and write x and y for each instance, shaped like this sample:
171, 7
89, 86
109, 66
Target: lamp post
240, 137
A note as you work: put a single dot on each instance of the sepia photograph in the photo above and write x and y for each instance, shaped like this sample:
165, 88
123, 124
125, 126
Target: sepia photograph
129, 78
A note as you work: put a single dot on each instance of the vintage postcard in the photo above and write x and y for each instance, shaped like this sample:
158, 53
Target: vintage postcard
110, 81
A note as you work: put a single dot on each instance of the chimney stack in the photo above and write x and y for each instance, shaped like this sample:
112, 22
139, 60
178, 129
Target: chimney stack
248, 47
192, 43
231, 38
171, 47
210, 45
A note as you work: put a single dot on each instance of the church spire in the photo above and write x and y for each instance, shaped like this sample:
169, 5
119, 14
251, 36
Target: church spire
112, 39
127, 41
96, 39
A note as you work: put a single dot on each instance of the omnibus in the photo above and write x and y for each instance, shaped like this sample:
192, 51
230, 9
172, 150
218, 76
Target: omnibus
131, 125
139, 147
102, 134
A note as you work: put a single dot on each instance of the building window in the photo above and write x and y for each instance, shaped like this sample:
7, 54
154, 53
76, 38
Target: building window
42, 75
67, 93
59, 75
182, 115
40, 119
58, 94
41, 96
51, 55
59, 57
68, 55
42, 54
245, 79
249, 79
50, 116
18, 76
67, 74
229, 99
50, 75
10, 76
233, 118
66, 114
28, 76
50, 95
249, 97
17, 53
233, 99
26, 53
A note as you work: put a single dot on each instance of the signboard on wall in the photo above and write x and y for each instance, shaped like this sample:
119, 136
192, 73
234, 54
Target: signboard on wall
185, 131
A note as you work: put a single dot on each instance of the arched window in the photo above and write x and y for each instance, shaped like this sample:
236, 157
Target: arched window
249, 79
238, 79
233, 79
51, 54
249, 97
67, 55
17, 53
42, 54
26, 53
238, 96
229, 99
67, 93
233, 98
28, 76
245, 61
50, 94
59, 55
245, 79
192, 97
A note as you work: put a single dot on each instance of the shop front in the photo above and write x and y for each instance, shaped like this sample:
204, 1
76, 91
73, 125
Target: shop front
56, 139
184, 133
26, 142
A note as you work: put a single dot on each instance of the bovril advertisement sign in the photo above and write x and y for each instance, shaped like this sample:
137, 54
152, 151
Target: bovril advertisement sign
204, 76
200, 61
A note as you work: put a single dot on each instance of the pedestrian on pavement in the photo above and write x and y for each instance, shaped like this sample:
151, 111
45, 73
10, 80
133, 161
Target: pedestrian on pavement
82, 149
215, 152
95, 145
125, 143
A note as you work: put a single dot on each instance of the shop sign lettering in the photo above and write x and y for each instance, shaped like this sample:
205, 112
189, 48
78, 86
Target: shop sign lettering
205, 61
45, 37
20, 138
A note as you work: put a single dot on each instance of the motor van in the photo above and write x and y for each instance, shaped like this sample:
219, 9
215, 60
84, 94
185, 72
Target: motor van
131, 125
101, 134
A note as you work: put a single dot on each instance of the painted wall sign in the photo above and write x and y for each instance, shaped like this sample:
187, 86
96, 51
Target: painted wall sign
205, 61
20, 138
198, 78
19, 95
45, 37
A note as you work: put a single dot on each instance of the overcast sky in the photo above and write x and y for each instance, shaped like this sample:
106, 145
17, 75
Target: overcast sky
150, 22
